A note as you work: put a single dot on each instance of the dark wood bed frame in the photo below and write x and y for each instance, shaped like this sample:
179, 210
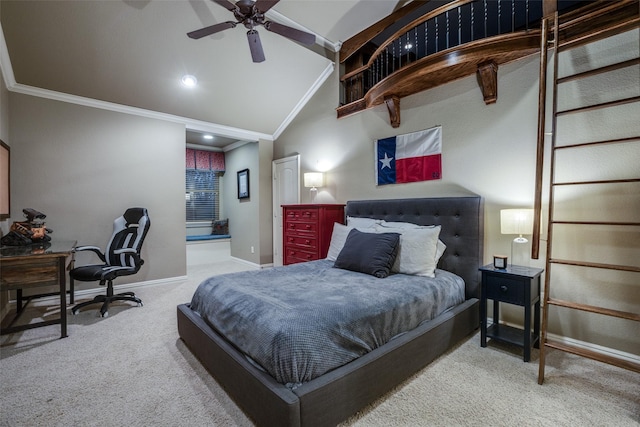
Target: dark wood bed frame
333, 397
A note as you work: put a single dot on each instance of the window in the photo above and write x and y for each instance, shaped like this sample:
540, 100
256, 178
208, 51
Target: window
203, 195
203, 172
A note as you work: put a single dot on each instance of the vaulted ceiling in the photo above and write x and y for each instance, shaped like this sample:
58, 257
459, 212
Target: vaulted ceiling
131, 54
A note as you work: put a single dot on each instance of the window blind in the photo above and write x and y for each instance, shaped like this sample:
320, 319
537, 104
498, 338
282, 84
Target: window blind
202, 195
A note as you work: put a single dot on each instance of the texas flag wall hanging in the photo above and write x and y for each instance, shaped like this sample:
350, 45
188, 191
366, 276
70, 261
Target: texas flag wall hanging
411, 157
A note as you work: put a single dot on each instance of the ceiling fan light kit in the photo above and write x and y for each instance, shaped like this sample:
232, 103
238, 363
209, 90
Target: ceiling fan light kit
250, 15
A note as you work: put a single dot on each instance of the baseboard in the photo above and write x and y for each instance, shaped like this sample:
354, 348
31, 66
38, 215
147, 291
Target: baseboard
54, 299
252, 264
630, 357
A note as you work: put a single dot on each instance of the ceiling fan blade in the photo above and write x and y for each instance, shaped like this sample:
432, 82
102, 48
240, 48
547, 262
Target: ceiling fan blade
257, 54
264, 5
291, 33
203, 32
226, 4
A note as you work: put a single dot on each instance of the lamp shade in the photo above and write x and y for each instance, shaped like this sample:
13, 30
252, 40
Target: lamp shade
516, 221
313, 179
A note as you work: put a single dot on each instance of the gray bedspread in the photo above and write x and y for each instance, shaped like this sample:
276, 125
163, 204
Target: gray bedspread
300, 321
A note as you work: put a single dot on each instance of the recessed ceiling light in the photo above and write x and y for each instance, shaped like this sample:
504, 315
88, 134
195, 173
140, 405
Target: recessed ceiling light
189, 81
207, 136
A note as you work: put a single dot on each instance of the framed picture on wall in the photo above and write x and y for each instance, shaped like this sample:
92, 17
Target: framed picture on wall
5, 190
243, 184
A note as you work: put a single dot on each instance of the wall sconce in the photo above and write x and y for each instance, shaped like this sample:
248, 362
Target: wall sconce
313, 180
518, 221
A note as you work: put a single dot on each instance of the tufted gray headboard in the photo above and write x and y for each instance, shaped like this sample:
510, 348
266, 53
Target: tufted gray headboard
462, 230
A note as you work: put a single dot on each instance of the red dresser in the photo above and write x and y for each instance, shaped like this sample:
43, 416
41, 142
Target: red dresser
307, 231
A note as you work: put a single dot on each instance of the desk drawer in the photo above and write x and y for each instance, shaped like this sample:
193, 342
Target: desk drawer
22, 274
505, 289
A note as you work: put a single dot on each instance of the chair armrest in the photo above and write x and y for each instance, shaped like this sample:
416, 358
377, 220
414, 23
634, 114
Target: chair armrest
96, 250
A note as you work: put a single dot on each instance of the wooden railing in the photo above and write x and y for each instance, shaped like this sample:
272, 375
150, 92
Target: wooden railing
426, 44
449, 26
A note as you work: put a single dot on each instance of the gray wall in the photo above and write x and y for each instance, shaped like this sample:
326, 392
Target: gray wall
250, 221
84, 167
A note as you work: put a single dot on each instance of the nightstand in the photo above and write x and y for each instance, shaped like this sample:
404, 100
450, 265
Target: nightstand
515, 285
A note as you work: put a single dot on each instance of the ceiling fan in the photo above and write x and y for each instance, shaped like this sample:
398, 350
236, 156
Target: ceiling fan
251, 14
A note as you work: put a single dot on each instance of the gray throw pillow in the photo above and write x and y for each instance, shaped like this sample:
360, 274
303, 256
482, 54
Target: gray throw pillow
369, 253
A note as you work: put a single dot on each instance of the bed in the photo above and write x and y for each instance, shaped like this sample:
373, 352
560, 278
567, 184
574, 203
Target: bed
335, 395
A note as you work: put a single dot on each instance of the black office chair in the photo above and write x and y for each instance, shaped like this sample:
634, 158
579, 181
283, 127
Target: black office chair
120, 258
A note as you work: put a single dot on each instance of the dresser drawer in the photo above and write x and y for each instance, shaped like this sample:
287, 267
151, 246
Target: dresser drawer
294, 255
505, 289
294, 227
302, 214
301, 242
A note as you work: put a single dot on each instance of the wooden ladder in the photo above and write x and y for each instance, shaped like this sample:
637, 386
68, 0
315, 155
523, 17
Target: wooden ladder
569, 177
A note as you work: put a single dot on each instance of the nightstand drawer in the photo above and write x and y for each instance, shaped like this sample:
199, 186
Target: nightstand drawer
505, 289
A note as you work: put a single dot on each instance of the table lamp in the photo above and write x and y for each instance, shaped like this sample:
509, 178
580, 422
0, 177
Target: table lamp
518, 221
313, 180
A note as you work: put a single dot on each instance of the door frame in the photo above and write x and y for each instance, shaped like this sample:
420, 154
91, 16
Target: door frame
278, 201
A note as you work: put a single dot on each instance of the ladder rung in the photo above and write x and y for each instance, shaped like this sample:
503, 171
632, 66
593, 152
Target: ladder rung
600, 70
598, 106
596, 265
595, 309
597, 223
590, 354
604, 181
589, 144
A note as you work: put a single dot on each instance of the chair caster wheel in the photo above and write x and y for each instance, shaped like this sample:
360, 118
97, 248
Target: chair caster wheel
140, 304
105, 314
74, 312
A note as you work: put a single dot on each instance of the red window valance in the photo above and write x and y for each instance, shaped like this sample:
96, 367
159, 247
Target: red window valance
205, 160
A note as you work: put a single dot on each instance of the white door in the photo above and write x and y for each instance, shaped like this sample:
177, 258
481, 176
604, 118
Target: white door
286, 191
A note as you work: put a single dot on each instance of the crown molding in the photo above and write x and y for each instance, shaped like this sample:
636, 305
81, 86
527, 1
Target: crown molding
326, 73
190, 124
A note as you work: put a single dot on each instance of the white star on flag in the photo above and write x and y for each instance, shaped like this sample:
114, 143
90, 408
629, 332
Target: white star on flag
386, 162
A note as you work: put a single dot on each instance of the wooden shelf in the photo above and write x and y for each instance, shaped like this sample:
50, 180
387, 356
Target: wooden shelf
508, 334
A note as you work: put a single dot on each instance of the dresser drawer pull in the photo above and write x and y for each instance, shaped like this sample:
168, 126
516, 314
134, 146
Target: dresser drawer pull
503, 288
308, 227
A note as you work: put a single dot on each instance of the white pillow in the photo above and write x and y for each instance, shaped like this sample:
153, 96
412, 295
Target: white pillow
402, 225
357, 222
440, 248
339, 236
418, 250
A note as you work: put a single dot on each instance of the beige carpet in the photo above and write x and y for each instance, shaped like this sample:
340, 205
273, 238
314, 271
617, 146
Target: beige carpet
132, 369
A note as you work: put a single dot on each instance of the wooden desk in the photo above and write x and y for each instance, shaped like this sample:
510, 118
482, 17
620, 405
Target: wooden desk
35, 266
